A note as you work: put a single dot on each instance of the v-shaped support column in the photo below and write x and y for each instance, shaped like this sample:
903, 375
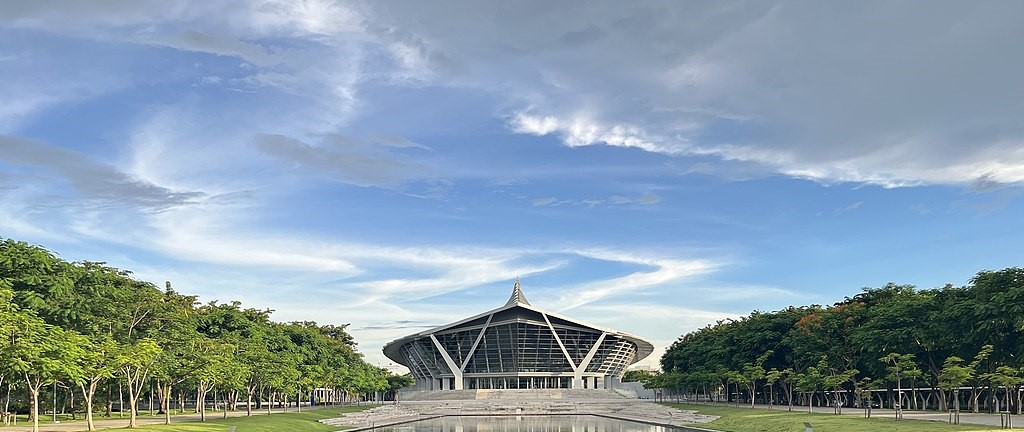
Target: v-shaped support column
451, 363
577, 375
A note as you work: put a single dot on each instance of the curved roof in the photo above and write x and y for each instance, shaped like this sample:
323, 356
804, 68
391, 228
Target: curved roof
517, 300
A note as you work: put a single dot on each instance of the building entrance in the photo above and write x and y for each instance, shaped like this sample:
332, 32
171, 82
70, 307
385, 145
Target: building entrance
519, 383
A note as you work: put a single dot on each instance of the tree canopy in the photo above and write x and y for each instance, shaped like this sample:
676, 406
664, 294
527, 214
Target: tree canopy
89, 325
898, 335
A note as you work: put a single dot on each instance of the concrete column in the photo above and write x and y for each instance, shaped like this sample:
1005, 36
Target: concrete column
456, 370
577, 376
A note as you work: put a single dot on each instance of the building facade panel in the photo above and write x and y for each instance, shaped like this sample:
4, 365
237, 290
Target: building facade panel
517, 346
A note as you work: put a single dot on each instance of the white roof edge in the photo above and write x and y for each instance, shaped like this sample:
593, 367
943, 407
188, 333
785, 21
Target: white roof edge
644, 348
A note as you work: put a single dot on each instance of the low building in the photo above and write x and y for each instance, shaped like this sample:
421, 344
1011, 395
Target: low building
517, 346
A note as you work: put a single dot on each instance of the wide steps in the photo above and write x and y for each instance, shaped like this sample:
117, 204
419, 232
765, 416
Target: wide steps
628, 409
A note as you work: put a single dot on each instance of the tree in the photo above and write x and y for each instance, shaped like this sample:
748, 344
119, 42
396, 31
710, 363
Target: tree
954, 375
98, 362
808, 382
636, 375
398, 382
900, 366
752, 372
835, 378
976, 366
864, 388
135, 362
1009, 378
43, 354
738, 379
789, 378
215, 368
770, 378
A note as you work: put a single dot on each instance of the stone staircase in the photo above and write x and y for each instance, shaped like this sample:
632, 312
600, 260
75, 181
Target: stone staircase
618, 407
511, 394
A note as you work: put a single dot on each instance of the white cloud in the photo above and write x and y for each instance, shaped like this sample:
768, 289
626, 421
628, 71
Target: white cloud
635, 318
757, 83
662, 271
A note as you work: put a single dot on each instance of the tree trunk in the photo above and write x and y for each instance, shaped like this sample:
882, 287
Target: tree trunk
248, 402
913, 394
120, 400
34, 407
1017, 390
201, 401
110, 400
132, 408
88, 393
7, 400
164, 398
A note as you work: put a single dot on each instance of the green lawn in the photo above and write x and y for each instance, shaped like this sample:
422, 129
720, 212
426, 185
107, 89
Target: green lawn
290, 422
760, 420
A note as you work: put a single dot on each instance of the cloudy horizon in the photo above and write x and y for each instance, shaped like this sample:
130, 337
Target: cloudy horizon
651, 166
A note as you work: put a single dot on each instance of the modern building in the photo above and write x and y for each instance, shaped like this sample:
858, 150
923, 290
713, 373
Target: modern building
517, 346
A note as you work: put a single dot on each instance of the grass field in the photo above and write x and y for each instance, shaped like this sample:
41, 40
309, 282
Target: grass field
760, 420
290, 422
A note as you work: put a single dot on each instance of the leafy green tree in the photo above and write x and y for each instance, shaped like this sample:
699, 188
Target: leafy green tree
863, 390
43, 354
1009, 378
899, 367
789, 379
216, 364
98, 362
954, 375
635, 375
136, 361
398, 382
770, 378
977, 374
834, 378
808, 382
752, 372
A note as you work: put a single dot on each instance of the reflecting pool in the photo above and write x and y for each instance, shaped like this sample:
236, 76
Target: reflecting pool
558, 423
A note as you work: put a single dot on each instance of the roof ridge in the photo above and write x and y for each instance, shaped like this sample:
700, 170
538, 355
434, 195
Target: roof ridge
517, 295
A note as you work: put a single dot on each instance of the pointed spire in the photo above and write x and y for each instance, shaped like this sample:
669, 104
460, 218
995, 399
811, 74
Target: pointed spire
517, 295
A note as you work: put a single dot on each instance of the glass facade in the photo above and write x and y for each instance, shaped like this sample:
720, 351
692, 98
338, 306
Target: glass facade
517, 347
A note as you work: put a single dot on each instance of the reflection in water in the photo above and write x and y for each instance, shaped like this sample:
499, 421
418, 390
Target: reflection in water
561, 423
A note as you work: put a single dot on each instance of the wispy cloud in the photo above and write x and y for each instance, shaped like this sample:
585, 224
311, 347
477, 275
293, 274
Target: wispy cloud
662, 271
646, 199
96, 184
348, 160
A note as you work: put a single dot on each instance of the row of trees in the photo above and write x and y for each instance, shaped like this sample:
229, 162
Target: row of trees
91, 327
921, 347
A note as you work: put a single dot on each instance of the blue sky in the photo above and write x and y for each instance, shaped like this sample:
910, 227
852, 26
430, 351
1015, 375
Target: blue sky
647, 166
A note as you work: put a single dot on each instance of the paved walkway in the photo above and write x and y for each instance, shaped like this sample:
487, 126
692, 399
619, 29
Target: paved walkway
966, 417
